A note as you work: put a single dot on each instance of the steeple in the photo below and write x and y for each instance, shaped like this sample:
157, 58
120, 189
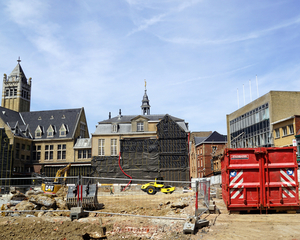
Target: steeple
16, 90
145, 102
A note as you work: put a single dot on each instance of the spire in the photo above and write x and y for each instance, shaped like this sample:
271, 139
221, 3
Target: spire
145, 102
17, 73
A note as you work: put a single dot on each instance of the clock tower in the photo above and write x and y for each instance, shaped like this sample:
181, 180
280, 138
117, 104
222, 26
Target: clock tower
16, 90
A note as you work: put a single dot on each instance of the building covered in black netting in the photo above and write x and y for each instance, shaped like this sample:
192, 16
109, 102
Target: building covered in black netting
149, 145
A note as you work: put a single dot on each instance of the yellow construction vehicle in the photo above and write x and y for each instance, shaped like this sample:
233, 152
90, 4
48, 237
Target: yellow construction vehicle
51, 187
154, 187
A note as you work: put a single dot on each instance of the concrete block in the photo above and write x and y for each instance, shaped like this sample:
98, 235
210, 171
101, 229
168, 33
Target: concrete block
77, 212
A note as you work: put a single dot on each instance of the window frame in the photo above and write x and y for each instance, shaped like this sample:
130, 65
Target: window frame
113, 147
284, 131
61, 151
50, 132
63, 131
38, 132
140, 126
277, 133
101, 147
49, 152
291, 126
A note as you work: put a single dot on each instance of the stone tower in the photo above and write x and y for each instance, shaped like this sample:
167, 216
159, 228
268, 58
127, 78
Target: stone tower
16, 90
145, 103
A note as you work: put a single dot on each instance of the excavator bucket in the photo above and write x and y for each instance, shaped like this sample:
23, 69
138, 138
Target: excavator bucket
84, 196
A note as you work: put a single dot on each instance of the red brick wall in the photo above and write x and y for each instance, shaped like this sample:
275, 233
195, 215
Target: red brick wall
297, 124
208, 156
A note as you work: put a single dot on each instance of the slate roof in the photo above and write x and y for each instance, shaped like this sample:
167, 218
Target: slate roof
31, 120
128, 118
68, 117
12, 119
214, 137
199, 140
105, 127
17, 72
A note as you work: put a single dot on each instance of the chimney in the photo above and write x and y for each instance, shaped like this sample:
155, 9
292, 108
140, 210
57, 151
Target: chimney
109, 115
120, 114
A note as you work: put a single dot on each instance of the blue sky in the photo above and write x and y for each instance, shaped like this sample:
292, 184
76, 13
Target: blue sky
193, 54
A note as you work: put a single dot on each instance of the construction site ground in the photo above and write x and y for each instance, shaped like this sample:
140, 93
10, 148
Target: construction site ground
107, 226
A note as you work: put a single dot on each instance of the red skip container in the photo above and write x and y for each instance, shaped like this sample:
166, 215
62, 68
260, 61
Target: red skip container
260, 178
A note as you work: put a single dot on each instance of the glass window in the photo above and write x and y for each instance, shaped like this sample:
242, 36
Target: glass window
291, 129
84, 154
48, 152
61, 151
277, 133
113, 144
50, 132
62, 131
115, 128
140, 126
101, 143
82, 129
38, 132
284, 131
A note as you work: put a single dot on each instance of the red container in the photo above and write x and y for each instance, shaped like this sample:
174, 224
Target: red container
260, 178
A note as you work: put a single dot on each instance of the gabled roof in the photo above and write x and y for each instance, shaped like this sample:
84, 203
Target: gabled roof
10, 116
11, 119
31, 120
214, 137
199, 140
55, 118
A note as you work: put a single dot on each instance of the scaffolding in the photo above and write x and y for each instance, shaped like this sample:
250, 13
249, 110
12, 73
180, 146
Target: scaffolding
6, 158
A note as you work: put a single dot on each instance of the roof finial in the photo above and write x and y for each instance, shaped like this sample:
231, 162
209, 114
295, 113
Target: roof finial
19, 60
145, 84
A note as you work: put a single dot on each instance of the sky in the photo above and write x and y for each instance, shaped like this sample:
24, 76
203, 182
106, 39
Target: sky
202, 59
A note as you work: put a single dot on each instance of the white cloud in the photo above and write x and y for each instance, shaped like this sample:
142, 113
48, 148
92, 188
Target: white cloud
143, 24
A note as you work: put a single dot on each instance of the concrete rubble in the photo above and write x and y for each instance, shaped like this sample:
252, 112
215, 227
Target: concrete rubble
114, 225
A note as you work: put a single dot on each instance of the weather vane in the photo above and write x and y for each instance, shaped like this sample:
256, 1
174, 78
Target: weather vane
145, 83
19, 60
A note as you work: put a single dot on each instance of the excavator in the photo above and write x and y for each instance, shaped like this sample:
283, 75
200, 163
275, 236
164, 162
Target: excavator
51, 187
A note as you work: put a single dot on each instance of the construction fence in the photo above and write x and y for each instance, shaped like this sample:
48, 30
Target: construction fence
125, 196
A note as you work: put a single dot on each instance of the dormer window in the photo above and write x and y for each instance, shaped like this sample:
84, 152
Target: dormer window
63, 131
115, 128
50, 131
17, 130
38, 132
140, 126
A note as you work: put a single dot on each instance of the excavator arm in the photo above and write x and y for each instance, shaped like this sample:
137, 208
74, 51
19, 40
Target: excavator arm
62, 171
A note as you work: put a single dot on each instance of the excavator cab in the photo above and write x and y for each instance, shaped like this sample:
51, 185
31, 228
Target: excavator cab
51, 187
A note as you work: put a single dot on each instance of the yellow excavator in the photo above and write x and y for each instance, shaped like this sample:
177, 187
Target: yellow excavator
51, 187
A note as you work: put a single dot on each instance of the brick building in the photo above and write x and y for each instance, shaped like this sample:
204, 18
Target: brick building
206, 149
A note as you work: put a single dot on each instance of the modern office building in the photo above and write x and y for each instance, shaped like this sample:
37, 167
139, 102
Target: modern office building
253, 124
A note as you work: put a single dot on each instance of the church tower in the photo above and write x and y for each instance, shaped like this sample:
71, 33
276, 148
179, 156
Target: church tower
145, 103
16, 90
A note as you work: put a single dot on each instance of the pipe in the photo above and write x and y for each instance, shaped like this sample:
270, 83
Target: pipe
124, 172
